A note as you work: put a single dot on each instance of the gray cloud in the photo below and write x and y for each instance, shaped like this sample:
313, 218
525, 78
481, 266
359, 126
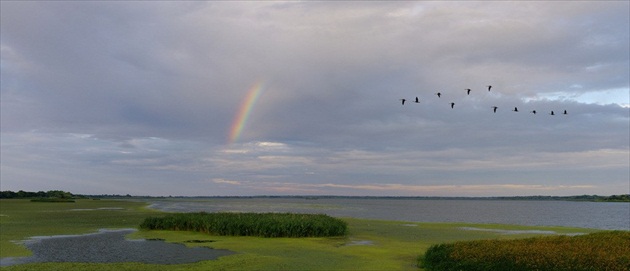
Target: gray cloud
141, 96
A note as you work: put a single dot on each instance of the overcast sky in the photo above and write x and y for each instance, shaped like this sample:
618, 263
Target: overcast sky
140, 97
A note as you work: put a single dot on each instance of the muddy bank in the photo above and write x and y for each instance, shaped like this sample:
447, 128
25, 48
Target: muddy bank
108, 246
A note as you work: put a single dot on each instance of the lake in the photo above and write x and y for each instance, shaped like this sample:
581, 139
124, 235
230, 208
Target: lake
595, 215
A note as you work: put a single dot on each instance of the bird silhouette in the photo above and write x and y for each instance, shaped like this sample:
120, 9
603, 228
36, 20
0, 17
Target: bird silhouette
552, 113
452, 105
515, 109
565, 112
417, 101
468, 91
489, 87
495, 109
438, 94
533, 112
403, 101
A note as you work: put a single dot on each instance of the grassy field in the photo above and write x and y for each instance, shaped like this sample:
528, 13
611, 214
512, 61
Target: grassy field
369, 244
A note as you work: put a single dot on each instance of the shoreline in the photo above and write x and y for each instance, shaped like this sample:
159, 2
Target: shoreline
578, 198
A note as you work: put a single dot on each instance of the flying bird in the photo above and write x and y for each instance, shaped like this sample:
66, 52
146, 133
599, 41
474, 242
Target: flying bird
438, 94
489, 87
552, 113
468, 91
534, 112
452, 105
565, 112
417, 101
495, 109
403, 101
515, 109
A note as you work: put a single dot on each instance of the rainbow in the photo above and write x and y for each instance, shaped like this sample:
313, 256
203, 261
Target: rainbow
244, 111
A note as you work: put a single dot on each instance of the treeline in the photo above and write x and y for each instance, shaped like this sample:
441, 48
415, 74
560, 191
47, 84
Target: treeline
619, 198
57, 194
63, 194
596, 198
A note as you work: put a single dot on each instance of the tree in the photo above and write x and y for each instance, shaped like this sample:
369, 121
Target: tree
59, 194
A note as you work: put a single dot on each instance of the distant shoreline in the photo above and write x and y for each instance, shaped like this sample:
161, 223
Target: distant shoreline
587, 198
57, 194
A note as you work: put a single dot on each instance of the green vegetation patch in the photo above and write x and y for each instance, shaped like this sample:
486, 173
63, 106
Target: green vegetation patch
596, 251
52, 200
251, 224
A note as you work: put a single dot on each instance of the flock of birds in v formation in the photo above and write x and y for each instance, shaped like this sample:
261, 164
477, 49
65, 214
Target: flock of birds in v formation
494, 108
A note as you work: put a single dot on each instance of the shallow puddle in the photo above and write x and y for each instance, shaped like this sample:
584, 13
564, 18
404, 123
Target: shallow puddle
108, 246
360, 243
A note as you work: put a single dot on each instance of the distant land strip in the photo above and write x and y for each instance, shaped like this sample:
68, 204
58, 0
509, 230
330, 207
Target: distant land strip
62, 194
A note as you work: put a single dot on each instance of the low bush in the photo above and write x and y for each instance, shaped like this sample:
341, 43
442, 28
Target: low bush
250, 224
597, 251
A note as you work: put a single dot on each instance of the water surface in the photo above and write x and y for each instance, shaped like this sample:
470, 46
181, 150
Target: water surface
110, 246
595, 215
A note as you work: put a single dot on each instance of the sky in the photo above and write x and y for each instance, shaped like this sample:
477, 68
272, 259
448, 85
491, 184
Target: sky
238, 98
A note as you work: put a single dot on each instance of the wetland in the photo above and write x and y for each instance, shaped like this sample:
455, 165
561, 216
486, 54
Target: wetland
373, 243
110, 246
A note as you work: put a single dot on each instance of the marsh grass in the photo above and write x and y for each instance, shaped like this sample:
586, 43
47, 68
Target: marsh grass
53, 200
394, 245
250, 224
596, 251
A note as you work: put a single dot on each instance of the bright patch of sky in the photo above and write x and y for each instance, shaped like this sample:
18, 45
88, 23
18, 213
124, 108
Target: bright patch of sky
619, 96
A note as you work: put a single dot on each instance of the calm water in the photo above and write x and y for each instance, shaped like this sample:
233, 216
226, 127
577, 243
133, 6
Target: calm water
596, 215
109, 247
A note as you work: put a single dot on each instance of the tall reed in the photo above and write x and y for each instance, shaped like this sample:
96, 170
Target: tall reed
597, 251
250, 224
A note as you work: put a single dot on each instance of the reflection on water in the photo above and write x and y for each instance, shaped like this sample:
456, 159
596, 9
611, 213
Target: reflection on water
596, 215
110, 246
